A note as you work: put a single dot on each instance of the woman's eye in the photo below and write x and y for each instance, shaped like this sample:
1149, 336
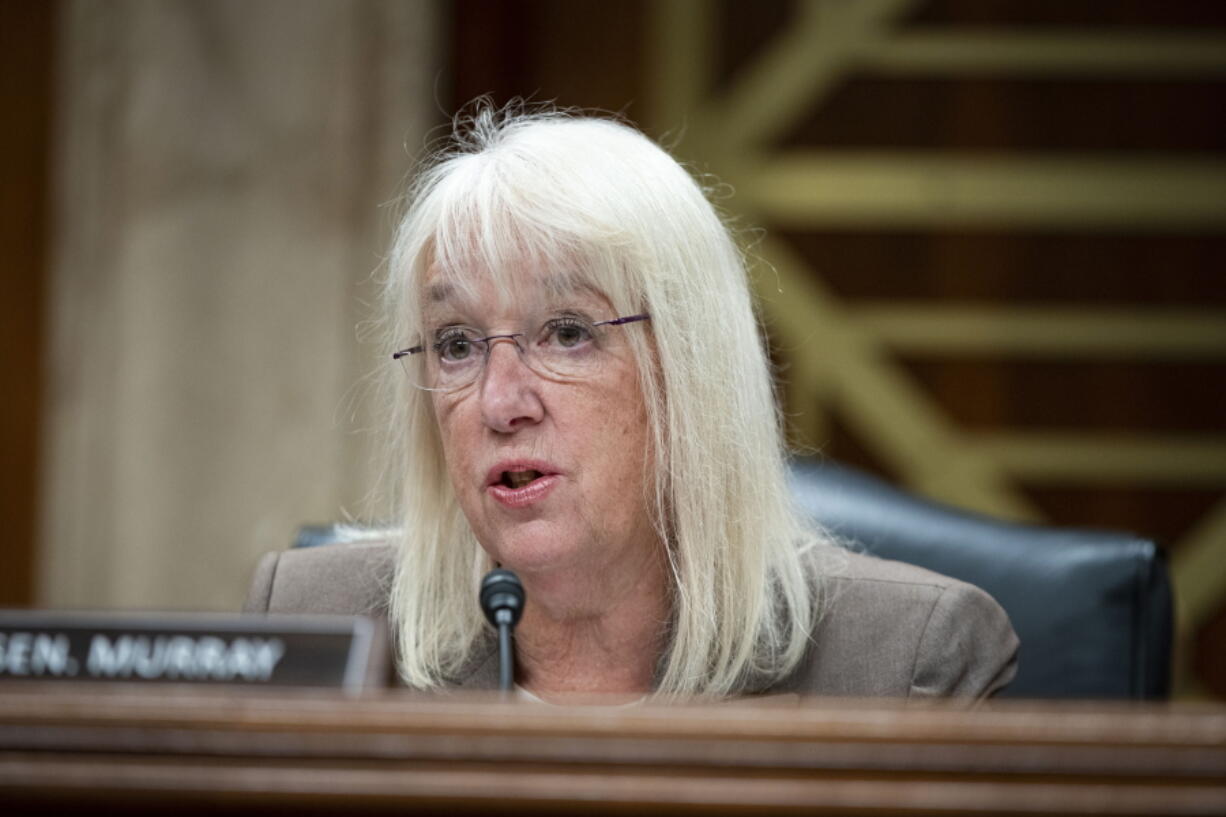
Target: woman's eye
570, 334
455, 348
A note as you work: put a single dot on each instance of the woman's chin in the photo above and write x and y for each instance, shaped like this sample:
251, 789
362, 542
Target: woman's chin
543, 547
536, 555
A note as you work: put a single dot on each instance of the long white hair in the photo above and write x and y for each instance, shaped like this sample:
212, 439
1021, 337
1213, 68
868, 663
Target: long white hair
600, 200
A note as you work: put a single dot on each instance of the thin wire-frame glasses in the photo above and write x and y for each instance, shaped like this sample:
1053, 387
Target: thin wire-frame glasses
567, 346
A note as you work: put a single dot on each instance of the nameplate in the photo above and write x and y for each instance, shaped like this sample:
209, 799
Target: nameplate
346, 652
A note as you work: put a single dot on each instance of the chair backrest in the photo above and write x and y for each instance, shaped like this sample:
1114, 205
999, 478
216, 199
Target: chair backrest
1092, 608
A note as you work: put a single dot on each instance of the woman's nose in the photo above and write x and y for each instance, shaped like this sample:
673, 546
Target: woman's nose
509, 397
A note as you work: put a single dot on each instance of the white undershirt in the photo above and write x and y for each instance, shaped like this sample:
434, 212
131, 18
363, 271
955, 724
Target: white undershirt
524, 696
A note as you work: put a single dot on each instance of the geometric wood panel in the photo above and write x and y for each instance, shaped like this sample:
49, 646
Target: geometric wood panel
851, 119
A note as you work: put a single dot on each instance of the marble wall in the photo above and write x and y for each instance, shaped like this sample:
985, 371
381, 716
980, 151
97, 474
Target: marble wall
221, 176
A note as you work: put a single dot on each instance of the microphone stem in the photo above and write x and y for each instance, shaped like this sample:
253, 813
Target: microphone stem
506, 658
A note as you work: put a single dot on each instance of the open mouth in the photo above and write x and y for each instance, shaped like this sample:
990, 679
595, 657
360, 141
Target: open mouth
519, 479
517, 485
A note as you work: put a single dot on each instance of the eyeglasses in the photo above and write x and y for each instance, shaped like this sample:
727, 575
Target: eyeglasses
565, 345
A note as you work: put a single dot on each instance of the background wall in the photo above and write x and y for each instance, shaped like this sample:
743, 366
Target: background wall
219, 171
27, 31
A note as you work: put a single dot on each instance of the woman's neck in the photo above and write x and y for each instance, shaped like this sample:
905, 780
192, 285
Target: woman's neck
591, 635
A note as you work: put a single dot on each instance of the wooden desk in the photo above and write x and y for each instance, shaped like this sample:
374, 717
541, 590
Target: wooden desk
153, 749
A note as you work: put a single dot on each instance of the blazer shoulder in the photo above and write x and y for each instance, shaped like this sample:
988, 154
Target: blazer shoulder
347, 578
894, 629
968, 647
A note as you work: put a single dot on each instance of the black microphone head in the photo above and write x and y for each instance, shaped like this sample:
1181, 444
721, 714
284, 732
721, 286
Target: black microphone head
501, 590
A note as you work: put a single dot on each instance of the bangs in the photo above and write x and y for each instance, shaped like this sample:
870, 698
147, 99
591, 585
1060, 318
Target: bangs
492, 234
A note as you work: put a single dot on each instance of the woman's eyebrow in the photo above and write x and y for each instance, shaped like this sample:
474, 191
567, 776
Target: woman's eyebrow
569, 288
439, 292
556, 290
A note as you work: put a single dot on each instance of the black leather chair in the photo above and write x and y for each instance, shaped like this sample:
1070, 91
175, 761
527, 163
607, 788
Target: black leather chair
1092, 608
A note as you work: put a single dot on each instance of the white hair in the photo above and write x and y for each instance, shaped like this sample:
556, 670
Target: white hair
598, 199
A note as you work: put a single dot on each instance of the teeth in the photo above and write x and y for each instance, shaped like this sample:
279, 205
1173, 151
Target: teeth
518, 479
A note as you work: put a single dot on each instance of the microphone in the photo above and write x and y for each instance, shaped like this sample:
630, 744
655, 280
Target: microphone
502, 600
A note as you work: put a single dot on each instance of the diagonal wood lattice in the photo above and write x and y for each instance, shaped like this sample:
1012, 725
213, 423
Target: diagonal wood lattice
856, 374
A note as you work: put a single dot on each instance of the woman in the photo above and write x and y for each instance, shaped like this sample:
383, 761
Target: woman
586, 400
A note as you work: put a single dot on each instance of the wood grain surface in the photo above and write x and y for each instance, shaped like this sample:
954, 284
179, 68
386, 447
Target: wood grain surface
149, 750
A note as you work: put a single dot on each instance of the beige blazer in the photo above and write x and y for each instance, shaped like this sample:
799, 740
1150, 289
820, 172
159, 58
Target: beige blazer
888, 628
